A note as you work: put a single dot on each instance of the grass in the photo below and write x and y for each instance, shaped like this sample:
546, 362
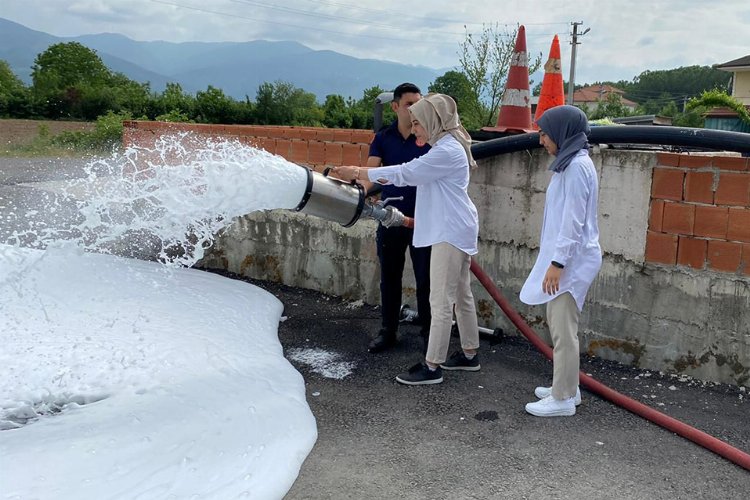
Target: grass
41, 148
107, 134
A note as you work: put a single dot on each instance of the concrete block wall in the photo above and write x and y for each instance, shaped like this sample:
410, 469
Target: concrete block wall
652, 306
700, 213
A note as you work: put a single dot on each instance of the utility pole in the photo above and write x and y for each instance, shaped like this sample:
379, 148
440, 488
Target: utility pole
574, 42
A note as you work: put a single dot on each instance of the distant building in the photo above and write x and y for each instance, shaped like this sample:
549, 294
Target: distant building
725, 118
740, 69
644, 120
593, 95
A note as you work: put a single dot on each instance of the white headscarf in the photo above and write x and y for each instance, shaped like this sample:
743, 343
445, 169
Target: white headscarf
438, 115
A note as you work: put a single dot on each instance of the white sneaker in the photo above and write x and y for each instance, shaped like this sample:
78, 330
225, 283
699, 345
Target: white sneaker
551, 407
543, 392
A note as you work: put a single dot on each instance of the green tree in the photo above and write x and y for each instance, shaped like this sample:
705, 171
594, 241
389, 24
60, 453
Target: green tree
362, 109
174, 100
485, 61
67, 65
14, 96
336, 113
679, 83
129, 95
307, 111
265, 112
281, 103
655, 105
70, 80
213, 106
610, 107
456, 85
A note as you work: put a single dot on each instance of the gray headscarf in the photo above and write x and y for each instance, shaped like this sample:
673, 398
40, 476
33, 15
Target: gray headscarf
569, 128
438, 114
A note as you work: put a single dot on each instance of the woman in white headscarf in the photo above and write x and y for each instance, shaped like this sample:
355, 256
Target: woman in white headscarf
569, 253
446, 219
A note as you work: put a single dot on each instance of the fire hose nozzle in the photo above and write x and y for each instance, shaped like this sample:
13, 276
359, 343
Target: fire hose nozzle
346, 203
393, 217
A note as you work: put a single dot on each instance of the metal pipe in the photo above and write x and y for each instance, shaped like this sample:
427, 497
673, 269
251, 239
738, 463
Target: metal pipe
631, 134
377, 112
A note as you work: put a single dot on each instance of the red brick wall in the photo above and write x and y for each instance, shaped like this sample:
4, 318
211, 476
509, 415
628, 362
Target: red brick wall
313, 147
700, 213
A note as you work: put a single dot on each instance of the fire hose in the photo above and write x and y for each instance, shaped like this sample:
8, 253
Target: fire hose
699, 437
709, 442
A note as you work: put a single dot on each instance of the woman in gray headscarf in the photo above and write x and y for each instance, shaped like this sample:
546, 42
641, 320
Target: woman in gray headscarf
446, 219
569, 253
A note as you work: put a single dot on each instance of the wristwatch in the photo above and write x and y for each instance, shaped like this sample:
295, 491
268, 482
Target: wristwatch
557, 264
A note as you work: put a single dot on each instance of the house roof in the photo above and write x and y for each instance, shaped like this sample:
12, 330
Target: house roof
722, 111
742, 62
644, 120
595, 93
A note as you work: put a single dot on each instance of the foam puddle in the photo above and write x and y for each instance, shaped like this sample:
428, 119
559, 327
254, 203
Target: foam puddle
130, 379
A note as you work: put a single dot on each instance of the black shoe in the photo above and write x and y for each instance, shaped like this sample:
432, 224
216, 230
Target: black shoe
385, 340
458, 361
420, 374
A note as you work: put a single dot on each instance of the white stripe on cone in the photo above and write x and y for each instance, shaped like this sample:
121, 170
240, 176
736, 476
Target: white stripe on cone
516, 97
519, 59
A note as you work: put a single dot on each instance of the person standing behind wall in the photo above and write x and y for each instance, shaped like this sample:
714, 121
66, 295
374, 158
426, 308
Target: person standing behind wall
392, 146
569, 253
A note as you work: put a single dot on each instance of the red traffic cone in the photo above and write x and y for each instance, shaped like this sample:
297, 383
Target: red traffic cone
553, 93
515, 107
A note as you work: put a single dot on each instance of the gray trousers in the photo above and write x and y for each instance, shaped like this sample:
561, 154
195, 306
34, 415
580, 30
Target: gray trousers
450, 284
562, 317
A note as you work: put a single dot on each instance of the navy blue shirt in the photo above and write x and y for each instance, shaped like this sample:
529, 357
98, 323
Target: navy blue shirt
393, 149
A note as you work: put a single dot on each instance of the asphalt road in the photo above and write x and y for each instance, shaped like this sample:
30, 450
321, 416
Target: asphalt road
470, 438
26, 207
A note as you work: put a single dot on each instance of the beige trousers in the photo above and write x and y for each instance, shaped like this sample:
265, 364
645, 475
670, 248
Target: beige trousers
562, 318
450, 284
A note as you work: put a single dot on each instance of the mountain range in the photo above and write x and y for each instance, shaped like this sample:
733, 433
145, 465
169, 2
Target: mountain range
237, 68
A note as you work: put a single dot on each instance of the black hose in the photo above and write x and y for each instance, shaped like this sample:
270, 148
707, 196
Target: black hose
627, 134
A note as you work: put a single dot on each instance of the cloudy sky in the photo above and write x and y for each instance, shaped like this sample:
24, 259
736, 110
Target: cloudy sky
625, 37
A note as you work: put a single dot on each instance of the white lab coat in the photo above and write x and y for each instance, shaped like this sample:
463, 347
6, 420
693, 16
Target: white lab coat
570, 233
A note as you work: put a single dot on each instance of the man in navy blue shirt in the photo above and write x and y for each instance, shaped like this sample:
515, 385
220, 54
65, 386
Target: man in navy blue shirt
392, 146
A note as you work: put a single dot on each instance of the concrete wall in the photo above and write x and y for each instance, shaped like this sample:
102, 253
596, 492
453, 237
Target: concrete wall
674, 290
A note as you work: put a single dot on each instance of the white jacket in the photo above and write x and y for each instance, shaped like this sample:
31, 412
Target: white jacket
570, 233
443, 213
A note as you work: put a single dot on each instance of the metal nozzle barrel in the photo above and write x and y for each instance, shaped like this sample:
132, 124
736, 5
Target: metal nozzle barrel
345, 203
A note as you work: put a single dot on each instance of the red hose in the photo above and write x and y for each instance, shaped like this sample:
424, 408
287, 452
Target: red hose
699, 437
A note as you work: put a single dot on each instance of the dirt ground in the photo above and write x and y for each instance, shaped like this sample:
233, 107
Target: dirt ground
22, 132
470, 437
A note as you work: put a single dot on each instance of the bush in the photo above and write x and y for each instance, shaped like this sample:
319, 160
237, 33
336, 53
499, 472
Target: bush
174, 116
107, 134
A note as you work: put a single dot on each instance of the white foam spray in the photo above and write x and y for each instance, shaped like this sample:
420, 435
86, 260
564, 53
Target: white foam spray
170, 200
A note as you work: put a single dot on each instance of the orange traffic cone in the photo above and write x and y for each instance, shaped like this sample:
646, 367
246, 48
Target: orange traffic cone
515, 107
553, 93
